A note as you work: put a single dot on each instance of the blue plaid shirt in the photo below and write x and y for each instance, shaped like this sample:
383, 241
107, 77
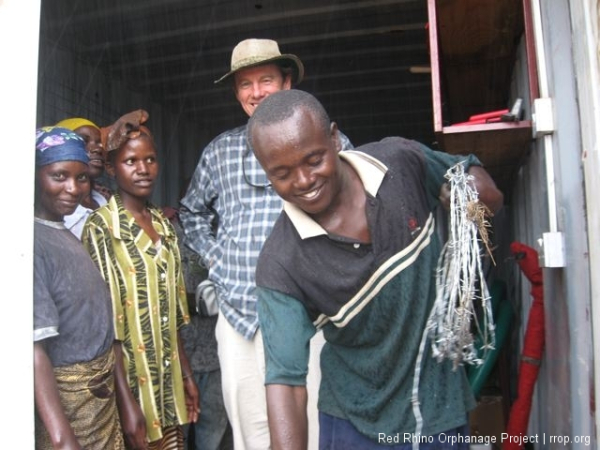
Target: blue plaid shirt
230, 186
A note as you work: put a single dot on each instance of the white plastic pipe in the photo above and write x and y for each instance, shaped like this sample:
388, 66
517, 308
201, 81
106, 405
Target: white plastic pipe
538, 34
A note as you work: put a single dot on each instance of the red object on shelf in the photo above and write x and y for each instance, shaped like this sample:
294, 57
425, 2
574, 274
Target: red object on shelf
488, 115
478, 122
470, 122
533, 346
483, 118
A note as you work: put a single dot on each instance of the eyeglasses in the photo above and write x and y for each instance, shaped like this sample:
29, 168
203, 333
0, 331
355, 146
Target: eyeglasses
254, 176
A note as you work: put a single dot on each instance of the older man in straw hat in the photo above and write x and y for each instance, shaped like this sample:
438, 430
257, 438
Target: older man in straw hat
230, 186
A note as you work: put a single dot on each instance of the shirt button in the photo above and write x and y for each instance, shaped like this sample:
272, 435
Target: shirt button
356, 245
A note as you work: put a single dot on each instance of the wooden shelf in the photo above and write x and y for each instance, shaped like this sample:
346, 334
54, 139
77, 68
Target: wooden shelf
473, 47
500, 146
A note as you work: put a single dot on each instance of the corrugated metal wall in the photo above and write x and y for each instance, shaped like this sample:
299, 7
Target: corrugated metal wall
564, 392
585, 19
69, 87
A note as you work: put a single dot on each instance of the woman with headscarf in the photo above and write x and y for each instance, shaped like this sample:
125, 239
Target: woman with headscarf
98, 194
136, 249
73, 332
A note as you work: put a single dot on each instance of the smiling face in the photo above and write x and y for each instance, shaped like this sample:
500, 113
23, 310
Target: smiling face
254, 84
60, 187
93, 146
300, 159
135, 168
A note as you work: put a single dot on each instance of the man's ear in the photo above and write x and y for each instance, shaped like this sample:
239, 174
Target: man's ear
335, 136
287, 82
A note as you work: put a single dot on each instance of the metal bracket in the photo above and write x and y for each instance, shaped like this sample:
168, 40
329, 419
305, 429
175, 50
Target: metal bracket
542, 116
552, 250
515, 112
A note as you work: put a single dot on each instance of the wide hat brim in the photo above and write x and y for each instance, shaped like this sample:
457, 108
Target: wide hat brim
247, 63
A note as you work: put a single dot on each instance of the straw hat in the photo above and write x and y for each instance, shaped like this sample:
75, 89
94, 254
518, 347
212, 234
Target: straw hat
256, 52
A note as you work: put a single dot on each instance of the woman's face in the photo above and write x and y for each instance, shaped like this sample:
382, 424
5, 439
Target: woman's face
135, 168
93, 146
60, 187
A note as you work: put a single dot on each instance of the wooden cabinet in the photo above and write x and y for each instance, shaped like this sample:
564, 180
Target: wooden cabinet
473, 48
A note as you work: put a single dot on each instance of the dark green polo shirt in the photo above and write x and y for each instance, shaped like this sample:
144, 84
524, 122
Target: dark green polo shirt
371, 300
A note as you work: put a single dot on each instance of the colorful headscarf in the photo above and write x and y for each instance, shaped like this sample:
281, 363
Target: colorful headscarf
54, 144
76, 122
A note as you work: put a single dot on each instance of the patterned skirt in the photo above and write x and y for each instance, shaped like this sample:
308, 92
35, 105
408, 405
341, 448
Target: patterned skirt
87, 393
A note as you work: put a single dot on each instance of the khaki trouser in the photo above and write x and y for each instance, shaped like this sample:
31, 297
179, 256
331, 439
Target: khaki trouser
243, 381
